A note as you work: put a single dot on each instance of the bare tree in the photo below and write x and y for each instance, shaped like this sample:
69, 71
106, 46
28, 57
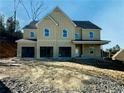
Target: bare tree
35, 9
21, 2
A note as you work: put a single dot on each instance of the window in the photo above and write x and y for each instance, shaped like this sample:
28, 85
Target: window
91, 35
77, 36
46, 32
65, 33
32, 34
91, 50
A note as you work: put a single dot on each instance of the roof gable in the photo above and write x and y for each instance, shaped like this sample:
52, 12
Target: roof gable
81, 24
56, 9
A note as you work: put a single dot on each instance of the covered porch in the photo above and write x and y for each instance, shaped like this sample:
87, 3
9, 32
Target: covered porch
88, 48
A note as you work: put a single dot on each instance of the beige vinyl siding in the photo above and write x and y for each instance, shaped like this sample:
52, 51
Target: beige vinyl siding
85, 34
86, 50
26, 34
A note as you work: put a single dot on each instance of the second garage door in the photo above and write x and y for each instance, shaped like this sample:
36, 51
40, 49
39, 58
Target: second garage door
64, 51
46, 51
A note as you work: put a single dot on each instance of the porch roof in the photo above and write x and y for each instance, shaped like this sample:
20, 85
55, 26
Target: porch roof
26, 40
101, 42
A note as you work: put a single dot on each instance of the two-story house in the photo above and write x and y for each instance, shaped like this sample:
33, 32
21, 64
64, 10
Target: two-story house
56, 35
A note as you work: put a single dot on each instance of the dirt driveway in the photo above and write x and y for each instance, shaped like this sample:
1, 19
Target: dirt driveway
59, 77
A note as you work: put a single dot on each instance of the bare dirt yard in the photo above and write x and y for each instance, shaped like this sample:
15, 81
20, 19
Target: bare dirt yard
33, 76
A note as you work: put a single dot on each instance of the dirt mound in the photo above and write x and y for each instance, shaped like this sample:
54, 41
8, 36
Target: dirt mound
7, 49
49, 77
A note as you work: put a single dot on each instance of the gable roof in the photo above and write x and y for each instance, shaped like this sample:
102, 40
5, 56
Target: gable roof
56, 9
82, 24
86, 25
31, 25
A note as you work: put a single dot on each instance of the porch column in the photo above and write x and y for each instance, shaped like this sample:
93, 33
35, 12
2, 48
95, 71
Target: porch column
82, 51
38, 51
73, 54
19, 50
55, 51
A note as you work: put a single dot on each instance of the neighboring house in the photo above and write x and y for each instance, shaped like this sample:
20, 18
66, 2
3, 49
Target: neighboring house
119, 55
56, 35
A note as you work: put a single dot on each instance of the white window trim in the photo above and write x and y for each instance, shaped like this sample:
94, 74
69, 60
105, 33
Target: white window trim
44, 32
30, 34
89, 35
67, 33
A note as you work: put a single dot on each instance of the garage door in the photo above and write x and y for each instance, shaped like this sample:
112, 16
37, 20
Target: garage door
64, 51
28, 52
46, 51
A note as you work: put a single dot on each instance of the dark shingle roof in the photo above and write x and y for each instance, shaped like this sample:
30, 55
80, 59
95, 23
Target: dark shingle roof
82, 24
86, 25
31, 25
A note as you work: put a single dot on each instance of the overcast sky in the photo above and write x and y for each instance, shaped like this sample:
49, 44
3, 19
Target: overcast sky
107, 14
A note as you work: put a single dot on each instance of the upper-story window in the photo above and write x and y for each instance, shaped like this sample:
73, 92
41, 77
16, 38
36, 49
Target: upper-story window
77, 36
65, 33
46, 32
91, 35
32, 34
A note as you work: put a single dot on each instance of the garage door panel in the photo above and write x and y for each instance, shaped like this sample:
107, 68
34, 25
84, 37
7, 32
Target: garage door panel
46, 51
64, 51
28, 52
